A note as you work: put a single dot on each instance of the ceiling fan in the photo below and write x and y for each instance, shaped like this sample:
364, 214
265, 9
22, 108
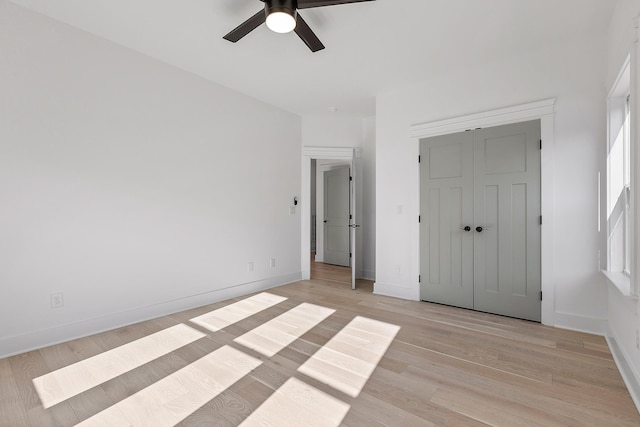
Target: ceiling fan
282, 16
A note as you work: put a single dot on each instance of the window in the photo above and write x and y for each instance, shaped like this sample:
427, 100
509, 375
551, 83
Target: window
619, 185
626, 181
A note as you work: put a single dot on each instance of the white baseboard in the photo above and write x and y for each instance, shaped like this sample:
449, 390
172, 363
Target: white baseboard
396, 291
368, 275
573, 322
630, 376
17, 344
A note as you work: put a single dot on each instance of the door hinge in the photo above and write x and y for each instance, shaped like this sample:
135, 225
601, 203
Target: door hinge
540, 295
419, 159
419, 278
541, 144
419, 217
350, 255
350, 178
350, 216
540, 219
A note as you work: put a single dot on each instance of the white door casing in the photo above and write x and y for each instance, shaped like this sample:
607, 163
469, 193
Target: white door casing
538, 110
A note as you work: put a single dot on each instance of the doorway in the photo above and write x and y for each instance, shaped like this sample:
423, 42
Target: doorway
330, 210
481, 204
348, 156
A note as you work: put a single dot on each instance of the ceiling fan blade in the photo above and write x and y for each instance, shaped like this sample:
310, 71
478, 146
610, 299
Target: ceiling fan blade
307, 4
246, 27
307, 35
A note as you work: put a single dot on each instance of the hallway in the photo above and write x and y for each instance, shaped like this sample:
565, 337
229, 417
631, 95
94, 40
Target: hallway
336, 273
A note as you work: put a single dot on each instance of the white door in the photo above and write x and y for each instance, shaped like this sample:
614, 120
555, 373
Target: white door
353, 217
336, 216
495, 265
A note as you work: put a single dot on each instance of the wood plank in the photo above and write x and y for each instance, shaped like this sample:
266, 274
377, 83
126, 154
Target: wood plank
11, 405
80, 376
24, 368
493, 411
295, 404
227, 409
177, 396
276, 334
87, 403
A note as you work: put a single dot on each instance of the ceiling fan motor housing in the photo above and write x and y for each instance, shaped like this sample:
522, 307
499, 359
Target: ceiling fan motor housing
287, 6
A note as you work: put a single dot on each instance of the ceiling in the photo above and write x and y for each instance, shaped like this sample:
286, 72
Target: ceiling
371, 47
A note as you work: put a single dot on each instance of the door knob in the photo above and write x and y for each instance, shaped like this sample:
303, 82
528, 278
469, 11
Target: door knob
324, 221
479, 229
465, 228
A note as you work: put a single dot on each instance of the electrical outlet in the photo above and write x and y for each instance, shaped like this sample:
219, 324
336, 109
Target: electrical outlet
250, 266
272, 263
56, 300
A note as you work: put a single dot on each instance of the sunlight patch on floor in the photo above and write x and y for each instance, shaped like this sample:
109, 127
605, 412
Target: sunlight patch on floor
271, 337
175, 397
298, 404
233, 313
74, 379
347, 361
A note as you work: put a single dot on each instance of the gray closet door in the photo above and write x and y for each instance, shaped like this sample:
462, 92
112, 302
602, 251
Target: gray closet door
446, 207
487, 180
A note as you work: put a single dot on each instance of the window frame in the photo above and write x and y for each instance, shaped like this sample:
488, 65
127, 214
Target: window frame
627, 187
620, 212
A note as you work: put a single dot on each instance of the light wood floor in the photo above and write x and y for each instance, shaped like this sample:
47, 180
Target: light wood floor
334, 273
444, 367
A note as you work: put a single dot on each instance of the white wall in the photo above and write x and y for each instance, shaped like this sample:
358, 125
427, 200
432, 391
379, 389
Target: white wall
368, 212
132, 187
346, 131
573, 74
332, 130
621, 37
624, 321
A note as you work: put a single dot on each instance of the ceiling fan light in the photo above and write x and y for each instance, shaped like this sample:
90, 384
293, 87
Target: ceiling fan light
281, 22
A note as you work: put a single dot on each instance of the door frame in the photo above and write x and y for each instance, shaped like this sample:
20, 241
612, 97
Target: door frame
349, 154
544, 111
